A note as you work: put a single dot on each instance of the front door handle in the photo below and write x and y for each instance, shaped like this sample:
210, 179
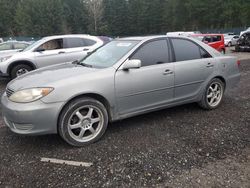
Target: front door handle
210, 65
61, 52
167, 72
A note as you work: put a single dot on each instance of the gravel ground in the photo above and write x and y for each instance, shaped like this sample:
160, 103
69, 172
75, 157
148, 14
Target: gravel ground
178, 147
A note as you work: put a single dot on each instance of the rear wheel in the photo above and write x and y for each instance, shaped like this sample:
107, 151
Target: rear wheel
83, 121
229, 44
213, 94
19, 70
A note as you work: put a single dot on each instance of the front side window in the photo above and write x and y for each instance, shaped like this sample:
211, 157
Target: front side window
109, 54
185, 50
52, 45
216, 38
6, 46
153, 53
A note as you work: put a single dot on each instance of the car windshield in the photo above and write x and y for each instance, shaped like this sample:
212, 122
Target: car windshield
109, 54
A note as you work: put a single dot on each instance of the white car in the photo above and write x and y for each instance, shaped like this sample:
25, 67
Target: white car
231, 40
11, 47
49, 51
242, 32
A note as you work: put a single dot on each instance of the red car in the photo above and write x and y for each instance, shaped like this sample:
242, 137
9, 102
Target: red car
214, 40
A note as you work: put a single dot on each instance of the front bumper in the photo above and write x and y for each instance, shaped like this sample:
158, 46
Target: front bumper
36, 118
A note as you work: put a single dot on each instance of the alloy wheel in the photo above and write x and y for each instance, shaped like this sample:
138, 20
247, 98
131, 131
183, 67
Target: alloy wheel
21, 71
214, 94
85, 123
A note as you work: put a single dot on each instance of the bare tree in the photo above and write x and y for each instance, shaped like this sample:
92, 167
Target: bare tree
95, 11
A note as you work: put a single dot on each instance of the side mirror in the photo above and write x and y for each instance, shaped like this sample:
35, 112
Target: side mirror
206, 42
40, 50
132, 64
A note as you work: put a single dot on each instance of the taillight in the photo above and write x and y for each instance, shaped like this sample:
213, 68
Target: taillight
238, 63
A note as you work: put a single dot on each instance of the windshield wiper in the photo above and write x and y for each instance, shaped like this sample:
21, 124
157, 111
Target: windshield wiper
82, 64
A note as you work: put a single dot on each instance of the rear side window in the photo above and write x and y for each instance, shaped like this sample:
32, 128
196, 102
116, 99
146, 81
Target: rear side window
6, 46
74, 42
89, 42
152, 53
185, 50
20, 45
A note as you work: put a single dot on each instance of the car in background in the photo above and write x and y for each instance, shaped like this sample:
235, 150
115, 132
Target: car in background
231, 40
243, 44
11, 47
242, 32
49, 51
124, 78
216, 41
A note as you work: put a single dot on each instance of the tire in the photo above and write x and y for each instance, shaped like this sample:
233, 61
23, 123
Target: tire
229, 44
223, 51
19, 70
211, 93
79, 125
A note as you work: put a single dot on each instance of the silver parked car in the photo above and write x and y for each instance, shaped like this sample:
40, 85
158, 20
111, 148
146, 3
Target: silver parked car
11, 47
231, 40
124, 78
49, 51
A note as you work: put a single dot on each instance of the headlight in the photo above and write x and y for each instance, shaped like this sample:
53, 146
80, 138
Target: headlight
30, 95
5, 58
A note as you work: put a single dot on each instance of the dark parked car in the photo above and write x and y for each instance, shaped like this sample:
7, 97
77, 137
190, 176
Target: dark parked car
243, 44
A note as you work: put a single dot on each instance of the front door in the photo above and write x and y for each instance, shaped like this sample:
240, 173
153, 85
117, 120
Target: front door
150, 86
50, 53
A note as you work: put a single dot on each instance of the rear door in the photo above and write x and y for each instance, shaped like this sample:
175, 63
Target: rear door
151, 85
77, 47
193, 65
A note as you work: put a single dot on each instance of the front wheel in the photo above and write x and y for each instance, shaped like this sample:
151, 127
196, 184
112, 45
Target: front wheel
83, 121
213, 94
19, 70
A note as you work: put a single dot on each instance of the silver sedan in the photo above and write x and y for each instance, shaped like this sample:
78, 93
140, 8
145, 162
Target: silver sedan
124, 78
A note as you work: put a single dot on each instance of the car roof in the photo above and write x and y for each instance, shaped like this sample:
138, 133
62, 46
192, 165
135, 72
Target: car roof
64, 36
213, 34
14, 41
145, 38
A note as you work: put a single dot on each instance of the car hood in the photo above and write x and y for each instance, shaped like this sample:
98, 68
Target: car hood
49, 76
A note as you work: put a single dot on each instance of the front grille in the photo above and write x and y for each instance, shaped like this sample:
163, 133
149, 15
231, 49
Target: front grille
9, 92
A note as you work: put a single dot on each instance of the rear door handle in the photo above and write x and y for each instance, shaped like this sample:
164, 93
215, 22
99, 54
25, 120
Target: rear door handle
61, 52
210, 65
167, 72
85, 49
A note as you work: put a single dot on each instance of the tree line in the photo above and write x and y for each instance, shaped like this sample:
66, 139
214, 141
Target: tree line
119, 17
